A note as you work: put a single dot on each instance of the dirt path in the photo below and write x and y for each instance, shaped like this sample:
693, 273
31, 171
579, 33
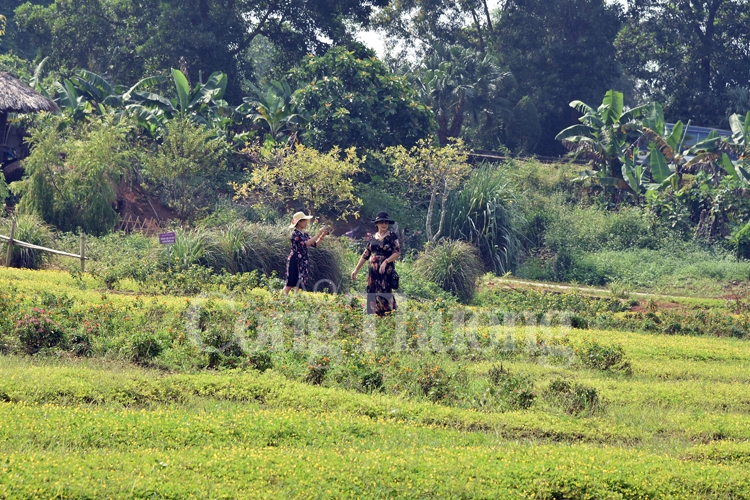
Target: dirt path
593, 290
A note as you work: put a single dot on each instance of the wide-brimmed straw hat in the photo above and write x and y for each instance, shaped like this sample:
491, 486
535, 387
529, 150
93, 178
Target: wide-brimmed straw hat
298, 217
383, 217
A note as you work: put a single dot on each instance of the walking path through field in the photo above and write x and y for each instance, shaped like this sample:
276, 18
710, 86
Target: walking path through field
594, 290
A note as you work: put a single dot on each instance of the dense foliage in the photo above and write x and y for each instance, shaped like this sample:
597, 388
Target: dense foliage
353, 100
74, 174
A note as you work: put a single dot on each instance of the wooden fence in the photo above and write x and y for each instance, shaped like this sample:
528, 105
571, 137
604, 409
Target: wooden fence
11, 241
139, 225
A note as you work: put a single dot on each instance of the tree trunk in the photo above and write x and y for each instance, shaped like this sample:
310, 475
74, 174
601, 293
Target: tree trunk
458, 118
428, 224
443, 204
479, 29
442, 120
487, 13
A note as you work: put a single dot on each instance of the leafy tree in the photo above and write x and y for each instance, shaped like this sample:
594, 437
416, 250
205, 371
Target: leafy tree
457, 82
353, 100
129, 39
73, 173
524, 129
179, 170
13, 41
414, 22
320, 181
431, 174
686, 53
558, 51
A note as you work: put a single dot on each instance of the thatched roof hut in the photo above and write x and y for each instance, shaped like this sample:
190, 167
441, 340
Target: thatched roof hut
17, 97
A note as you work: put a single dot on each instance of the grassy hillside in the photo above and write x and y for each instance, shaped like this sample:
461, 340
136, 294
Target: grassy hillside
525, 411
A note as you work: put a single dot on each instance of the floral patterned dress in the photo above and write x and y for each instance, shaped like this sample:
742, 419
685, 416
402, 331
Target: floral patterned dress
380, 299
297, 264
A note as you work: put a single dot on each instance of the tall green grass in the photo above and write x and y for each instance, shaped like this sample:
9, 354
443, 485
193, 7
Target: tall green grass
30, 229
454, 266
483, 213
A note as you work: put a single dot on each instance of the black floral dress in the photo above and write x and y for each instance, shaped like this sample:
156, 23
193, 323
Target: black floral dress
297, 264
380, 299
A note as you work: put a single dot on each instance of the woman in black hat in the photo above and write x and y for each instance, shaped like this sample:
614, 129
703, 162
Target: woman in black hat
382, 251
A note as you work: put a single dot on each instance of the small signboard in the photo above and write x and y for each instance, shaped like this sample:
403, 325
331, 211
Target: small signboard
167, 238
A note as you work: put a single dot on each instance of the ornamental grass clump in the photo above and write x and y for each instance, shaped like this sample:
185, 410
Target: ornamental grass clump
249, 246
483, 214
196, 246
30, 229
454, 266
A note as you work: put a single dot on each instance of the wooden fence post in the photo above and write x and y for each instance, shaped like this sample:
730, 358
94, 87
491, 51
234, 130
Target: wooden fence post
9, 255
83, 252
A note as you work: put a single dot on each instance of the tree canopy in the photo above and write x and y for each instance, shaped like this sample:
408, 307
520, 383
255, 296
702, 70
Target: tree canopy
558, 51
126, 39
352, 99
688, 54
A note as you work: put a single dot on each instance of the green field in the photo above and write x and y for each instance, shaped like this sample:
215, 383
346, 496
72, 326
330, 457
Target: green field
674, 423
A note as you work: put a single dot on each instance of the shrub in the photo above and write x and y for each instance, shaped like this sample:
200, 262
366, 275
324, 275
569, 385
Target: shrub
741, 242
260, 360
454, 266
80, 345
603, 357
573, 398
216, 328
322, 181
31, 229
143, 347
435, 383
39, 330
317, 370
183, 165
515, 390
88, 161
483, 214
372, 381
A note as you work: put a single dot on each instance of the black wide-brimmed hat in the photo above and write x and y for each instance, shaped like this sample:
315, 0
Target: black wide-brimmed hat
383, 217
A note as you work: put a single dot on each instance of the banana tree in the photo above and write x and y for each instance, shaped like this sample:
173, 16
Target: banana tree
724, 156
662, 161
203, 104
274, 109
70, 102
739, 145
603, 136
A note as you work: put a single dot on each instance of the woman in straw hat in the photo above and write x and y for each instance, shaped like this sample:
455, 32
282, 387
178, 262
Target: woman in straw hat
382, 251
297, 264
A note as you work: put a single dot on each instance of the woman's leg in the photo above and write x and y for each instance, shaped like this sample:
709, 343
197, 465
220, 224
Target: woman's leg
292, 276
